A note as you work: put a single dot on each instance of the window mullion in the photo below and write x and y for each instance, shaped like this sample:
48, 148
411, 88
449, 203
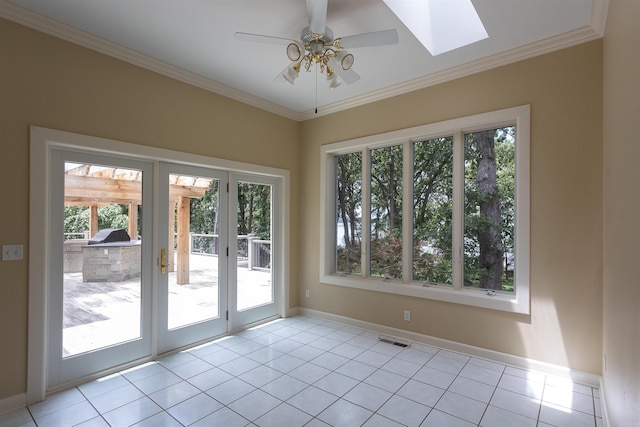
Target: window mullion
458, 211
365, 256
407, 212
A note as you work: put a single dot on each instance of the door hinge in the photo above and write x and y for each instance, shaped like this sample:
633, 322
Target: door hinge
227, 250
227, 314
227, 187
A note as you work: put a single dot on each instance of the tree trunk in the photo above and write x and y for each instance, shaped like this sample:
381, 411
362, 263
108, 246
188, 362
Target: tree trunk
391, 191
342, 208
489, 238
250, 219
216, 223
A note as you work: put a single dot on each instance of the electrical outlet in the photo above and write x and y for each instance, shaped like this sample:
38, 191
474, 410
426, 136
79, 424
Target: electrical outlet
407, 316
307, 293
12, 252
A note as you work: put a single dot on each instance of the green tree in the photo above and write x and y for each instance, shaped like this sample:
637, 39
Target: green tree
76, 219
489, 208
489, 183
113, 216
254, 210
204, 218
348, 208
386, 211
433, 210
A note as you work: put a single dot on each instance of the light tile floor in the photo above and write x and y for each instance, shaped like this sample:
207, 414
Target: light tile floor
303, 371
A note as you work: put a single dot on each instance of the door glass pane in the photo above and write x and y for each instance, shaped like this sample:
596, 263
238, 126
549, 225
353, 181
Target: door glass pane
386, 212
193, 250
433, 210
254, 284
348, 212
102, 257
489, 217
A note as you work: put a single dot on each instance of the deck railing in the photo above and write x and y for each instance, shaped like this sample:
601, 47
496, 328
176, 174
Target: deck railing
77, 236
255, 252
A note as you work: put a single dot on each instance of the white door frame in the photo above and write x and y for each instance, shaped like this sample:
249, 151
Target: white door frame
42, 141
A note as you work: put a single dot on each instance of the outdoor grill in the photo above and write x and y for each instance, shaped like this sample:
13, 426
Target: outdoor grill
111, 256
110, 235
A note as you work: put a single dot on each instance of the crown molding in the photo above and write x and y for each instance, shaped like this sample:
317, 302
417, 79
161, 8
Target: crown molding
65, 32
562, 41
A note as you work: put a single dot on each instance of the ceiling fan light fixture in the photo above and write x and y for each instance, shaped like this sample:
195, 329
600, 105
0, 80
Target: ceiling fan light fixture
292, 73
333, 81
345, 59
294, 51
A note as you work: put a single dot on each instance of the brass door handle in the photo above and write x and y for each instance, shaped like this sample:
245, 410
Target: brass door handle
163, 261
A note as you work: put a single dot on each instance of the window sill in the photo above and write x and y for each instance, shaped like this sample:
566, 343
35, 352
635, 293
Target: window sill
473, 297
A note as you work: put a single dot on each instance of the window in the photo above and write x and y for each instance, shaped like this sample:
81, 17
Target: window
433, 211
439, 211
489, 184
348, 226
385, 242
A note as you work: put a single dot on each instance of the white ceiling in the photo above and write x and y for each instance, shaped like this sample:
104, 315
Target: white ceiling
193, 40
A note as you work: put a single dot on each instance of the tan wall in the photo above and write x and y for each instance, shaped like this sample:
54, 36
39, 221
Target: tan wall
621, 345
565, 92
47, 82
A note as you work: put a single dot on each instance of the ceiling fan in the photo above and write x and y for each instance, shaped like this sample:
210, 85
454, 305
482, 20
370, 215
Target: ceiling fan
317, 46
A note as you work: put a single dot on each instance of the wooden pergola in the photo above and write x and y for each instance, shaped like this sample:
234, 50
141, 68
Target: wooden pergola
95, 186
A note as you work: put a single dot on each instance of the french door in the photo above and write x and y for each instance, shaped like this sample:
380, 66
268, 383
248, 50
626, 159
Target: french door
99, 302
193, 231
169, 255
217, 253
253, 248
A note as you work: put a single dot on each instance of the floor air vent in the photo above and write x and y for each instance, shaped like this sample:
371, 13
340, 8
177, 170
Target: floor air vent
393, 341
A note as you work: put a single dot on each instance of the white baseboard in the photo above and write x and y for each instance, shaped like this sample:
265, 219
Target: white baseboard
12, 403
581, 377
18, 401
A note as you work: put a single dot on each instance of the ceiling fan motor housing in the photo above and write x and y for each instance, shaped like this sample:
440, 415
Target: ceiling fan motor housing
307, 36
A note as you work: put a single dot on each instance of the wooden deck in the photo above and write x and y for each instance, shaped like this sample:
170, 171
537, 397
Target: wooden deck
98, 314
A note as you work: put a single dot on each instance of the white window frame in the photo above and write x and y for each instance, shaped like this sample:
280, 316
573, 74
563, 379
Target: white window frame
517, 301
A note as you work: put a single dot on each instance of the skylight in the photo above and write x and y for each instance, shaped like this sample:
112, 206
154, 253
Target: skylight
440, 25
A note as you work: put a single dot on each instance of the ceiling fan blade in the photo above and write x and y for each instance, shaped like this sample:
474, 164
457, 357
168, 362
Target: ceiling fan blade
317, 11
249, 37
289, 74
280, 77
348, 76
377, 38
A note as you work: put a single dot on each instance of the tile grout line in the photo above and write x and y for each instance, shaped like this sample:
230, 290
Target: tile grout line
343, 334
